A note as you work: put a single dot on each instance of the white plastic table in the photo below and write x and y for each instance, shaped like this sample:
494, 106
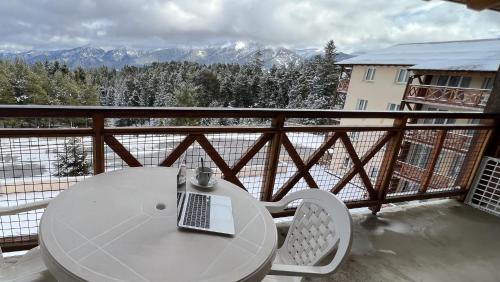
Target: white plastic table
111, 227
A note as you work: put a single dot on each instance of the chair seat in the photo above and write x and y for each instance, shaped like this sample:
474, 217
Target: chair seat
28, 268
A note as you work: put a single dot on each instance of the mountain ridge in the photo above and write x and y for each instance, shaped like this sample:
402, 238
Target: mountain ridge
236, 52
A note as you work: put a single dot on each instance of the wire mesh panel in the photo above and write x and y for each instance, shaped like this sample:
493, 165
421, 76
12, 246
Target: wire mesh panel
335, 170
148, 149
153, 149
37, 168
412, 161
252, 174
485, 190
454, 162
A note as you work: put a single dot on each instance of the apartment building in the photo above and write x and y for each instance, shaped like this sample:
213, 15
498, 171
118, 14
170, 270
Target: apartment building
435, 76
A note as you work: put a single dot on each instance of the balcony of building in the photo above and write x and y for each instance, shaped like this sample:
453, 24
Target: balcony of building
344, 79
457, 97
456, 140
343, 85
270, 153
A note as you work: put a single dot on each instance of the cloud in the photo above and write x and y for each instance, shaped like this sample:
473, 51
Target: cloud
355, 25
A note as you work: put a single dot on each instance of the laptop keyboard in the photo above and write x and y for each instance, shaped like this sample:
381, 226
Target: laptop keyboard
197, 212
179, 194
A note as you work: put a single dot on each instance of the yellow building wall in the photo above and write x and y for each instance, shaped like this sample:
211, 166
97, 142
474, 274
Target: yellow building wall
379, 92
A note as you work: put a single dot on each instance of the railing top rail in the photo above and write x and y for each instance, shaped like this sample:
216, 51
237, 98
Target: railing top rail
449, 87
8, 111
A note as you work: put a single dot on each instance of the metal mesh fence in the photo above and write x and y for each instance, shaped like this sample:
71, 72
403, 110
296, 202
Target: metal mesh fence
460, 150
33, 169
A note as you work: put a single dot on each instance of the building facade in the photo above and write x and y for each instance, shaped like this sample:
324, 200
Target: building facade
438, 76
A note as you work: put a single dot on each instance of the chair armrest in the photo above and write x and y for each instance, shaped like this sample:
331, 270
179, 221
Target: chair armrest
22, 208
300, 270
274, 206
283, 203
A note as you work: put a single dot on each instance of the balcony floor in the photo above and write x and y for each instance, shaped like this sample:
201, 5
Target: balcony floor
442, 240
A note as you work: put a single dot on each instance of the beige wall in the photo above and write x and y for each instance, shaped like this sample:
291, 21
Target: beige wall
379, 92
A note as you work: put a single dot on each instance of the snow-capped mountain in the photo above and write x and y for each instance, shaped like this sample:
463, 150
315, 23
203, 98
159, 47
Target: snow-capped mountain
234, 52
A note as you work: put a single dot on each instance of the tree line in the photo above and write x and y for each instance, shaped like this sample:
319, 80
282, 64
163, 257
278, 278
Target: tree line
310, 84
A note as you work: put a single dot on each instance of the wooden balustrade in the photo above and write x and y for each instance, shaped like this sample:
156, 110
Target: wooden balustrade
455, 96
456, 141
343, 85
274, 156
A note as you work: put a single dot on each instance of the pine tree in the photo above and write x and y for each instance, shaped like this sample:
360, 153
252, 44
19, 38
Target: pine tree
257, 63
73, 160
329, 74
299, 93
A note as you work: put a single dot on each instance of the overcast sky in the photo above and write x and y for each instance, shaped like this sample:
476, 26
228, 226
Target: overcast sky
355, 25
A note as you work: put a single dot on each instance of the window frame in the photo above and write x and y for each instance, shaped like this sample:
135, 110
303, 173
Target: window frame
456, 79
405, 78
389, 106
370, 76
487, 83
359, 103
419, 155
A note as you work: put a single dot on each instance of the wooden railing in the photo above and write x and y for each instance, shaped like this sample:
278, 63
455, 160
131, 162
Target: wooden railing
270, 156
453, 96
343, 85
457, 140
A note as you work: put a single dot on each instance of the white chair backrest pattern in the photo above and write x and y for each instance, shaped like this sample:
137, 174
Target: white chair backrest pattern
311, 236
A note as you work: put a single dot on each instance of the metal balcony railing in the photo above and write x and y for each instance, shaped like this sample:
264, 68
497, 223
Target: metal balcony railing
269, 152
452, 96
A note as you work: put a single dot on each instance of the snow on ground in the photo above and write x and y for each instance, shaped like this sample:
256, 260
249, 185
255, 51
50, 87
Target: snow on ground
23, 223
325, 179
307, 140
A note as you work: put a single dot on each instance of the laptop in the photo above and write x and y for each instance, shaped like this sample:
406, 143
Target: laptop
202, 211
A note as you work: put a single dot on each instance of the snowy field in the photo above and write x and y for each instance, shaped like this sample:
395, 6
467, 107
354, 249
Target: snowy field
28, 162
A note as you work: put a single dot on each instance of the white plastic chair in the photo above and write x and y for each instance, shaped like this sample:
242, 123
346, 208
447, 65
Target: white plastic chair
30, 266
322, 225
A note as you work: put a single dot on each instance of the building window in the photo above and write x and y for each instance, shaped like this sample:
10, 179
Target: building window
402, 76
373, 173
354, 135
361, 105
465, 82
392, 107
347, 162
456, 165
454, 81
419, 155
487, 83
470, 132
442, 80
370, 74
408, 186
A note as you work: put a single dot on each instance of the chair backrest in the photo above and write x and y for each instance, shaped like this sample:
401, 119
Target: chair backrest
321, 224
